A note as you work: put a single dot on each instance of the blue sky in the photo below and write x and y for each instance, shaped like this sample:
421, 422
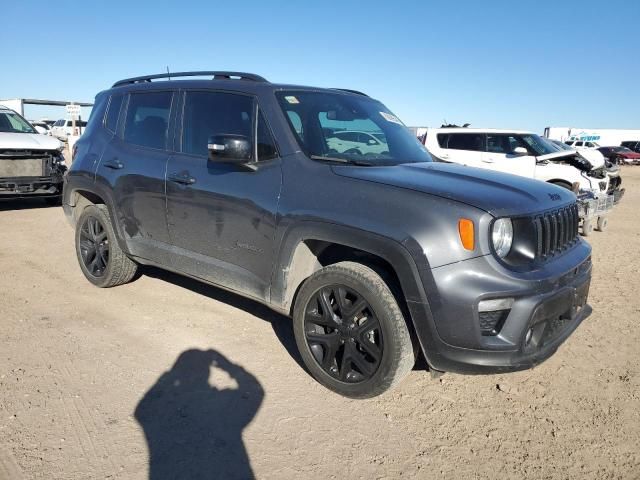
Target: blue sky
507, 64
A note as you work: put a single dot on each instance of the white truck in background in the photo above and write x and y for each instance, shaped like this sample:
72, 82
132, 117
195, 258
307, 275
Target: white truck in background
605, 137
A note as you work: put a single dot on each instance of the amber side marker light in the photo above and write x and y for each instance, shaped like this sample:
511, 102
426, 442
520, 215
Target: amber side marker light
466, 231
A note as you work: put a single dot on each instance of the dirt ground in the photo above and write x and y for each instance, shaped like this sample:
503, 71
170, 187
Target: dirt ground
169, 378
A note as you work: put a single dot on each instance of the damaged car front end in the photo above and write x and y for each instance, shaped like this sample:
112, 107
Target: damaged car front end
31, 164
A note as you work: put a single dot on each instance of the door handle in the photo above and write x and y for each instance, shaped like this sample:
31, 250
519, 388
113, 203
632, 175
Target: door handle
182, 178
114, 164
488, 160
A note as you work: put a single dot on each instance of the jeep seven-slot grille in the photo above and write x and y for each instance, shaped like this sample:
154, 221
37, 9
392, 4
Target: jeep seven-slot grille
556, 230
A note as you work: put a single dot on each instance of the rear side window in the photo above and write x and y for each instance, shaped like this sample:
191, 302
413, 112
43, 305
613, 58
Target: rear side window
148, 119
111, 120
466, 141
207, 114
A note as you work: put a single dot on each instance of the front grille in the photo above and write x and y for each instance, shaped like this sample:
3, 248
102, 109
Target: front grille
556, 231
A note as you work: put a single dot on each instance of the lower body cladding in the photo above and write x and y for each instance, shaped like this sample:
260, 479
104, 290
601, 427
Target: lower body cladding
486, 319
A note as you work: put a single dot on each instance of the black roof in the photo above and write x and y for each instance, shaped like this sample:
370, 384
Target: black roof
227, 77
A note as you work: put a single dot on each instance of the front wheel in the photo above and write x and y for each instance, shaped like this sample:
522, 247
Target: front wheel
99, 255
350, 331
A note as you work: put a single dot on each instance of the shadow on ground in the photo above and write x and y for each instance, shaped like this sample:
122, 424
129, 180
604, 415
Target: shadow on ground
27, 203
281, 324
194, 428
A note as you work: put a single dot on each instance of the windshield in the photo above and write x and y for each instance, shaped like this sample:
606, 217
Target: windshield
539, 145
560, 146
621, 149
354, 129
11, 122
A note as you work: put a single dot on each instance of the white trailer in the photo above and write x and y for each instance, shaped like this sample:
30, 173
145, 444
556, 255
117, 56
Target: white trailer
606, 137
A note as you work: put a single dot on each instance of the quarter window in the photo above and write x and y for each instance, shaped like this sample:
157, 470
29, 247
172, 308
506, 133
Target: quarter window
207, 114
111, 121
148, 119
266, 145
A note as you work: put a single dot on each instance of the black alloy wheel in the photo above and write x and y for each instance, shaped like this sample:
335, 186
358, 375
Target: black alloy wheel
343, 334
94, 246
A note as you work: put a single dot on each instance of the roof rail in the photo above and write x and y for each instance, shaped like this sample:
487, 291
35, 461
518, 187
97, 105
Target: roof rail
217, 75
351, 91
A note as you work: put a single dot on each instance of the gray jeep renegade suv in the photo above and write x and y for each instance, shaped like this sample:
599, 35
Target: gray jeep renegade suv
322, 205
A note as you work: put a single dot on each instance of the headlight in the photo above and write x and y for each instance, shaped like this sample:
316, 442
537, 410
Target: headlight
502, 236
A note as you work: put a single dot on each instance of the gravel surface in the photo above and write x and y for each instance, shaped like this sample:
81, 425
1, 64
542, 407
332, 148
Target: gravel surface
170, 378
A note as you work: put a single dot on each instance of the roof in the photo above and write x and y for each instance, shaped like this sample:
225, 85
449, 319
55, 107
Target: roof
248, 82
477, 130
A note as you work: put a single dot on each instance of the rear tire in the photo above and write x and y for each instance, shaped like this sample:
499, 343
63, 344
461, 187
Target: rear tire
350, 331
99, 255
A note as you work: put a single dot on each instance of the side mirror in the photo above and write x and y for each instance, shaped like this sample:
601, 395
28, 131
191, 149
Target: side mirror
229, 148
372, 142
520, 151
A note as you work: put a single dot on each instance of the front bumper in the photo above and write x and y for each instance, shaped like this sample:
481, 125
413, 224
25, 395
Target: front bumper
22, 187
546, 309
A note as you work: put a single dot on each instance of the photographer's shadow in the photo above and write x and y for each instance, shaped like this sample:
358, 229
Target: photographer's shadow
194, 429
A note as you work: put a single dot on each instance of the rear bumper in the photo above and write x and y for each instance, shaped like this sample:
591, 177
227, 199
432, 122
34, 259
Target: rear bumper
543, 315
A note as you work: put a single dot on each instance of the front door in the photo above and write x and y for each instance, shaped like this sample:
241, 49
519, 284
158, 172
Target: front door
221, 217
500, 155
465, 149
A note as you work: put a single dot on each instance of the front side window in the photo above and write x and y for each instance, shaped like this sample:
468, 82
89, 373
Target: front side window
11, 122
147, 119
342, 128
208, 114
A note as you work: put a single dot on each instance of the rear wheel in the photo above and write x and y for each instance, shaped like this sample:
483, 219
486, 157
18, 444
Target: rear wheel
99, 255
351, 332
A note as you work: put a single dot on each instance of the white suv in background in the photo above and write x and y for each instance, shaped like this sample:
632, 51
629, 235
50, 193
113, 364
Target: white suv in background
516, 152
362, 143
63, 128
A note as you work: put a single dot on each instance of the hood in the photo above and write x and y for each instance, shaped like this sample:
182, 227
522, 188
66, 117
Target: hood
28, 141
630, 154
594, 159
500, 194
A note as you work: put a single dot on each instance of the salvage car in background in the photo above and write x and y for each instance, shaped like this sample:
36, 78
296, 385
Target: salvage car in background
621, 155
31, 164
516, 152
529, 155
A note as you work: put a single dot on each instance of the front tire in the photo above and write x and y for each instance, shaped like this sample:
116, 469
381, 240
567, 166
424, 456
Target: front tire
350, 331
101, 260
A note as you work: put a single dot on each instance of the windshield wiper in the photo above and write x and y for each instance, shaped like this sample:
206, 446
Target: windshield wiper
360, 163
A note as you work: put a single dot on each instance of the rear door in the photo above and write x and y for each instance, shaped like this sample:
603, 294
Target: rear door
464, 148
500, 155
133, 168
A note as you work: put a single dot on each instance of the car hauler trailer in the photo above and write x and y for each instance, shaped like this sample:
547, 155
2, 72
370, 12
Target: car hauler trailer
602, 136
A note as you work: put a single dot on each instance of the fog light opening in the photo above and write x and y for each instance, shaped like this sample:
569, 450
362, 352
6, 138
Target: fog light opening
528, 337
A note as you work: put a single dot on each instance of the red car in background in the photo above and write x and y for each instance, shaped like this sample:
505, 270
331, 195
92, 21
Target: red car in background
620, 155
